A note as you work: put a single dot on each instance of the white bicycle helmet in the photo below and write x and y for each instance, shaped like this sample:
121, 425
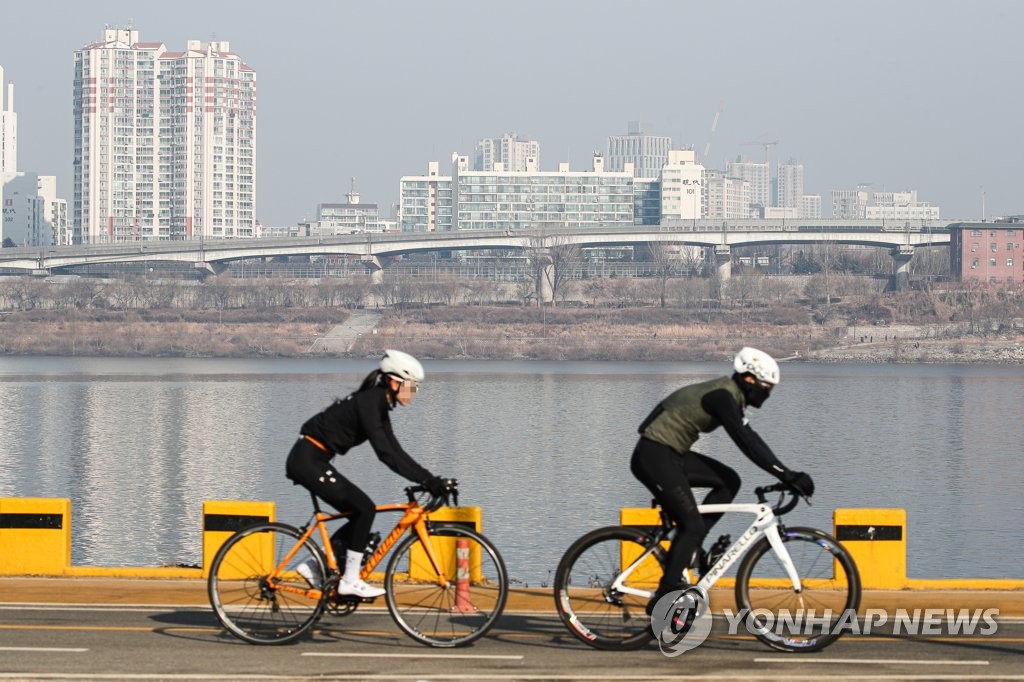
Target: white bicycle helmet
402, 366
758, 363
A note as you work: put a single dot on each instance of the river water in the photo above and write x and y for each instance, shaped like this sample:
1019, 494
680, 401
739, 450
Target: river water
542, 447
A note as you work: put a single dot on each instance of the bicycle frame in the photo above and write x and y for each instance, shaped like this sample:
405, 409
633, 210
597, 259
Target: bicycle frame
765, 524
414, 516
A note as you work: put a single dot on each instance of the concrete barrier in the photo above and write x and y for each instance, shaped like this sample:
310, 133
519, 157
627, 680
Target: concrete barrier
223, 518
877, 540
35, 535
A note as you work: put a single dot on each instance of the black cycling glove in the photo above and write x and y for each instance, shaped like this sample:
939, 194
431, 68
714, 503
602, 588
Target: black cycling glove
800, 483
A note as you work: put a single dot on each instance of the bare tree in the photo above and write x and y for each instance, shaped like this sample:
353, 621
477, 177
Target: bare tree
554, 262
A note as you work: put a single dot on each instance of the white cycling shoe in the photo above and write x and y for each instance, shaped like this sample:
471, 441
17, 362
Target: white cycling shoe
359, 588
307, 569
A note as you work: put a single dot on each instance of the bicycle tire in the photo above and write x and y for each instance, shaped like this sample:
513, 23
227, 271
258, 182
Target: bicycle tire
243, 599
587, 606
452, 615
809, 620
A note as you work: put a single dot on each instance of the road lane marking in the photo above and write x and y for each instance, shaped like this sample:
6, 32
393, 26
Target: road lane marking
481, 657
872, 661
74, 650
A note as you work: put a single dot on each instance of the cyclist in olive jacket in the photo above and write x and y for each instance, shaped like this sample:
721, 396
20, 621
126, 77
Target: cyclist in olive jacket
359, 417
664, 461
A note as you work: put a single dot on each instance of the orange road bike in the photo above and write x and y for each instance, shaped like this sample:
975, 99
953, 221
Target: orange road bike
446, 584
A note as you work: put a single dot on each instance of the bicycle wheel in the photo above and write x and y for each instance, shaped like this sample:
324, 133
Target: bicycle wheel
248, 602
589, 607
461, 610
785, 619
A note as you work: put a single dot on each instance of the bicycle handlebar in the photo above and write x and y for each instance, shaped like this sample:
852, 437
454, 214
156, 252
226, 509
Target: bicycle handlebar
782, 506
434, 503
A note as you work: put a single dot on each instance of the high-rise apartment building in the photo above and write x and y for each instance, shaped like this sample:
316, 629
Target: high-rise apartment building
8, 131
726, 198
758, 175
165, 141
647, 153
790, 185
508, 152
425, 201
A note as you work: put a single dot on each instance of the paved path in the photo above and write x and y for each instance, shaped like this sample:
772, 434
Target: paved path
341, 337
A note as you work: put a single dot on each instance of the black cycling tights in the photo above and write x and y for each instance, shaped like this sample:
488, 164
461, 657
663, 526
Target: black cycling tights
669, 477
309, 467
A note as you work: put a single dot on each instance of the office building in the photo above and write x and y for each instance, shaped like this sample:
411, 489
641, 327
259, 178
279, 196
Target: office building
647, 153
508, 152
165, 141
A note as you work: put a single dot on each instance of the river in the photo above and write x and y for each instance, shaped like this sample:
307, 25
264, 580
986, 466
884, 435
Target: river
542, 447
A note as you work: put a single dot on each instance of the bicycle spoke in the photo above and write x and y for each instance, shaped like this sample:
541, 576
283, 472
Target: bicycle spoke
798, 621
589, 606
255, 605
462, 609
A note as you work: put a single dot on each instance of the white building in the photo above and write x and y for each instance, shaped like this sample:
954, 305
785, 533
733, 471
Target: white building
758, 174
425, 201
507, 152
647, 153
351, 217
682, 186
8, 131
864, 202
33, 214
500, 199
165, 141
727, 198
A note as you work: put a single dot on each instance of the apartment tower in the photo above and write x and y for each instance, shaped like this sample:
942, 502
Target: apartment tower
165, 141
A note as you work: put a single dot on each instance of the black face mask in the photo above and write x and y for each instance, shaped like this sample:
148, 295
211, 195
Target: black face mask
754, 393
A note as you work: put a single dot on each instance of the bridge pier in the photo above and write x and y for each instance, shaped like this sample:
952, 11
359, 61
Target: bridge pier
723, 261
902, 255
374, 267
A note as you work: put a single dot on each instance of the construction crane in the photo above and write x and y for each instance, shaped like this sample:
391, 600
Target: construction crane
767, 149
711, 135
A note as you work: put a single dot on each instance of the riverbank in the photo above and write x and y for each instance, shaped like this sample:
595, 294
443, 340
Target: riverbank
488, 332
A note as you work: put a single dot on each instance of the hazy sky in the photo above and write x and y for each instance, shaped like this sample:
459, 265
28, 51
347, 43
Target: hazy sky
922, 95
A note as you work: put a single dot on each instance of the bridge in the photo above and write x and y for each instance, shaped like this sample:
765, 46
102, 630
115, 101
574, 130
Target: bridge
377, 249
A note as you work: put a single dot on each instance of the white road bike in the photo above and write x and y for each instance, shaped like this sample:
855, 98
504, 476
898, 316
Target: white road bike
606, 578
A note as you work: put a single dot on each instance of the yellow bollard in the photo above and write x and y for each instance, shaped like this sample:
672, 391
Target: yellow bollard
222, 518
877, 539
649, 572
470, 517
35, 535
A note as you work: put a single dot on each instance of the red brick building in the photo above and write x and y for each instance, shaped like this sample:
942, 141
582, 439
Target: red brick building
987, 252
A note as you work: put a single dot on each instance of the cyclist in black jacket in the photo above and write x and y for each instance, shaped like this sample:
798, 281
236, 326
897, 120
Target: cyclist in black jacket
359, 417
664, 461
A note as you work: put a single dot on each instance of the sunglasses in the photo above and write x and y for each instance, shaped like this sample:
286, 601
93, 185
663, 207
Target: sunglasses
413, 386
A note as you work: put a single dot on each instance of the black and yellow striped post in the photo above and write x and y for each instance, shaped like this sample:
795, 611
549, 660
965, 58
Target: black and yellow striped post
223, 518
877, 539
35, 535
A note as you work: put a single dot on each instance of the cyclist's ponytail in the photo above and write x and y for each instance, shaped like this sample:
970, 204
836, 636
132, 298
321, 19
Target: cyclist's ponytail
372, 379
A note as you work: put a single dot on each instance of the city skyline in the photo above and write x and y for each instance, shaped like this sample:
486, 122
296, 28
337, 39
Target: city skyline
920, 100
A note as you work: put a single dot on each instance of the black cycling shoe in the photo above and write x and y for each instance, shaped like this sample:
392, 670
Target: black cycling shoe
662, 591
